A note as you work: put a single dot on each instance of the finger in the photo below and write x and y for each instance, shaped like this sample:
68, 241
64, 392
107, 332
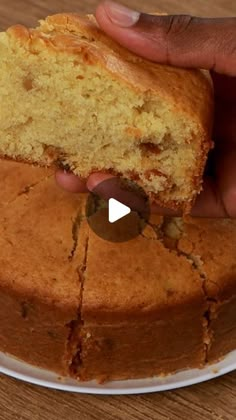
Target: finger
226, 178
70, 182
95, 182
179, 40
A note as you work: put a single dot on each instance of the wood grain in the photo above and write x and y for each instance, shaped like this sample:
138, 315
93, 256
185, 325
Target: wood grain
214, 400
29, 11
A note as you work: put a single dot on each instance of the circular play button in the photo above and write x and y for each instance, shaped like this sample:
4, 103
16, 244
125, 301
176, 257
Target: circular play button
117, 209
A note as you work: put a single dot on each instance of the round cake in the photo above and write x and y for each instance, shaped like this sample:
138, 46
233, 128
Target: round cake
81, 306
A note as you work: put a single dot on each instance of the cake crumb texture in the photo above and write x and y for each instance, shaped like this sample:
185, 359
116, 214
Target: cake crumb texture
73, 96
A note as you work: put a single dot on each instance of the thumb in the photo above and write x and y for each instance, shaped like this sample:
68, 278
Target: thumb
179, 40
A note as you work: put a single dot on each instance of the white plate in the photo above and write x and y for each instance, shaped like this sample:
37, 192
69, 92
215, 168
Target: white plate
24, 372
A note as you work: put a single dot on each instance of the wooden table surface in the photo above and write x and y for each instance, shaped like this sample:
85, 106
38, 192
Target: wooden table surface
212, 400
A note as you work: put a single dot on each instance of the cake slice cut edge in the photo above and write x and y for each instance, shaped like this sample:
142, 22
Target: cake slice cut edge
74, 97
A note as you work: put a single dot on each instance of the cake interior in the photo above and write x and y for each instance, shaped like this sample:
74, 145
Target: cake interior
68, 108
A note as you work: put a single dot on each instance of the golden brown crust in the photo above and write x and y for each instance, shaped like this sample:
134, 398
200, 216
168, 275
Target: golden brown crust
211, 244
214, 242
143, 309
142, 349
128, 274
17, 179
223, 328
35, 329
143, 314
39, 284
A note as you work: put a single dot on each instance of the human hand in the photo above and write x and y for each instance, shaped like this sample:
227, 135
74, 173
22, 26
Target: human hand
185, 41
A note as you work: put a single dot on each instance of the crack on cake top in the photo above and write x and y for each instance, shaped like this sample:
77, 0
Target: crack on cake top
76, 222
196, 262
27, 190
76, 360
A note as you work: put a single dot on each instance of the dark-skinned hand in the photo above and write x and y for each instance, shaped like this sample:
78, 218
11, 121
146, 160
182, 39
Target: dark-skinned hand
185, 41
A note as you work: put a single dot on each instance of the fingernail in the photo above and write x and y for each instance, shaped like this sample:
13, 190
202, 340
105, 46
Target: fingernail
121, 15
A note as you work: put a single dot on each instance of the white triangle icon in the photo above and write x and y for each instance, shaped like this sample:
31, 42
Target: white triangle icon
117, 210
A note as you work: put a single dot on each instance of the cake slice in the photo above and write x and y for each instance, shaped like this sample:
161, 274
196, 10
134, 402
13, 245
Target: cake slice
40, 289
141, 316
74, 97
211, 245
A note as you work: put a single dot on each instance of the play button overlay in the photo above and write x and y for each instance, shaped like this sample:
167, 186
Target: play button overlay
117, 210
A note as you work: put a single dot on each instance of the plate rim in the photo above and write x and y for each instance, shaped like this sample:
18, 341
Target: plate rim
209, 372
